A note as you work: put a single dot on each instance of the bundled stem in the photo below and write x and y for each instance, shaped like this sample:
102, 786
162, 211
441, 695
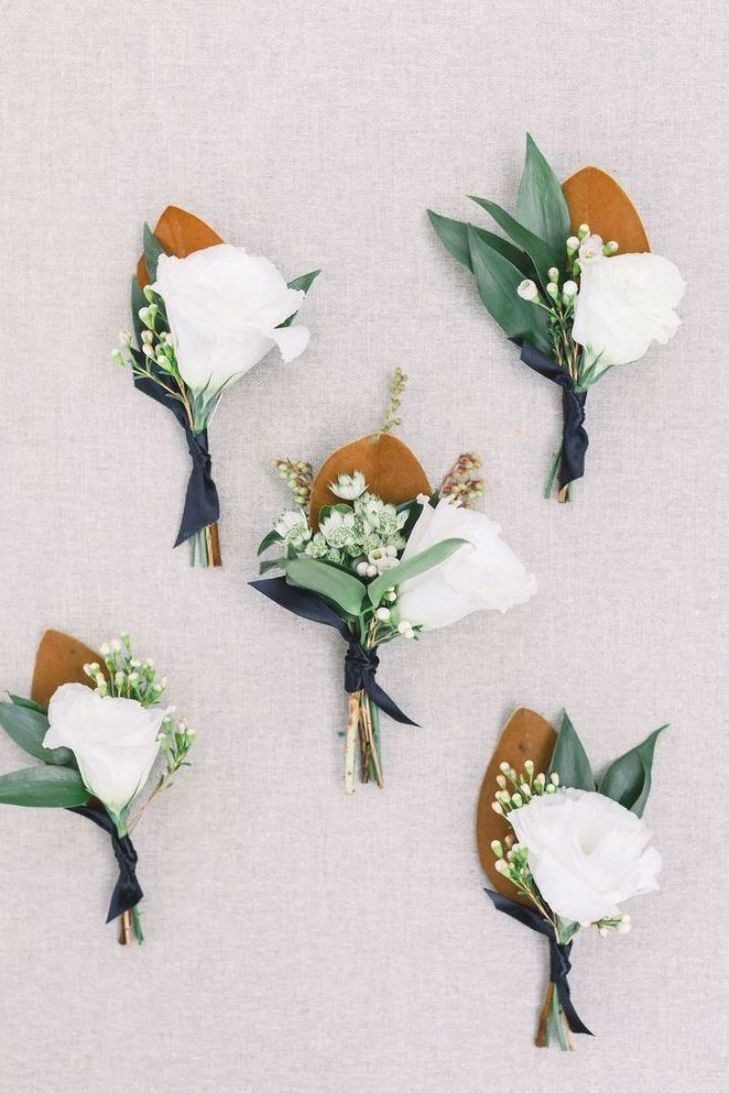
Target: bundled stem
205, 548
363, 727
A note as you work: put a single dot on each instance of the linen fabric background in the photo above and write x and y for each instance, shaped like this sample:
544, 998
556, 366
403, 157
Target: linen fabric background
297, 941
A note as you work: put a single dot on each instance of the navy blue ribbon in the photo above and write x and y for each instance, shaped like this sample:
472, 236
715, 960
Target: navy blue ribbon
202, 506
127, 891
559, 953
574, 435
360, 664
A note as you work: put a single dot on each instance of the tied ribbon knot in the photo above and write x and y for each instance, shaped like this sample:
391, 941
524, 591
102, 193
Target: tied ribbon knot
360, 664
559, 953
202, 506
574, 435
127, 890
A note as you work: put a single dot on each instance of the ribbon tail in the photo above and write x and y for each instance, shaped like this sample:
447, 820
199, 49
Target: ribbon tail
563, 993
383, 701
202, 505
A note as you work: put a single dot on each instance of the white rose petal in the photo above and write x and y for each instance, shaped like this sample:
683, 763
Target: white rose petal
225, 308
624, 304
114, 741
484, 573
587, 853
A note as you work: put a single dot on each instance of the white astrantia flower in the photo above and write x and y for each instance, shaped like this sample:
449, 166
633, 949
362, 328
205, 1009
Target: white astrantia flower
484, 573
225, 310
338, 528
115, 741
586, 852
349, 486
626, 302
293, 527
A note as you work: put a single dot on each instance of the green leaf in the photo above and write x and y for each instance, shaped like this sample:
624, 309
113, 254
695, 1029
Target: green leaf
138, 300
569, 759
497, 280
43, 787
272, 563
542, 254
341, 588
152, 249
540, 204
302, 284
628, 779
268, 541
28, 727
413, 567
453, 234
26, 703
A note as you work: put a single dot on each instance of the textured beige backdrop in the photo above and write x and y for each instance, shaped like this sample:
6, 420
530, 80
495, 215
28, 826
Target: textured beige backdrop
299, 942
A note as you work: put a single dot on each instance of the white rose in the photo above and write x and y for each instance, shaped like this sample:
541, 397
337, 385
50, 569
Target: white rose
224, 307
586, 853
114, 741
485, 573
624, 303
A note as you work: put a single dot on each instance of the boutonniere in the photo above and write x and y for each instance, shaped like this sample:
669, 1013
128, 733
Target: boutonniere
374, 552
573, 283
204, 313
107, 747
562, 848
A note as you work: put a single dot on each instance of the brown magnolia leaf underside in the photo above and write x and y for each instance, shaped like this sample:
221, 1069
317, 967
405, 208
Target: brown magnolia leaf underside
60, 659
390, 468
180, 233
526, 735
594, 198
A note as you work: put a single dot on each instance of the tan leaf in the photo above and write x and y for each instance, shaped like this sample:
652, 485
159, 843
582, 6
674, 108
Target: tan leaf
526, 735
594, 198
60, 659
180, 233
390, 468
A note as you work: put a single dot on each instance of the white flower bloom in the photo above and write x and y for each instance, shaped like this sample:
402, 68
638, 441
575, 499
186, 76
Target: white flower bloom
225, 308
338, 528
293, 527
349, 486
528, 290
624, 304
590, 250
114, 741
586, 853
484, 573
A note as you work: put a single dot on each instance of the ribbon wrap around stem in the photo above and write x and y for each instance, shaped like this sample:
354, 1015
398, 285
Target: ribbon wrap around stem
559, 953
202, 506
127, 891
360, 664
574, 435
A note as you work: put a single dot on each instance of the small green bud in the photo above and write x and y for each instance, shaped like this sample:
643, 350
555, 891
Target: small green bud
497, 848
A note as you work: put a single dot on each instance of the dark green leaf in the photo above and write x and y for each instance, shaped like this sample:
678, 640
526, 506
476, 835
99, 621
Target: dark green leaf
27, 728
43, 787
152, 249
540, 205
341, 588
302, 284
268, 541
413, 567
569, 759
542, 254
628, 779
272, 563
138, 300
497, 280
454, 236
26, 703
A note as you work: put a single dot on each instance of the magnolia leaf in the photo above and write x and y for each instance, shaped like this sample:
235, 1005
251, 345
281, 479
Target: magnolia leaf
628, 779
343, 589
60, 659
542, 254
413, 567
180, 233
497, 280
28, 727
540, 204
594, 198
570, 760
391, 471
453, 234
526, 735
152, 249
43, 787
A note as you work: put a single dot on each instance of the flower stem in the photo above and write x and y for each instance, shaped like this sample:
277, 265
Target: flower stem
542, 1037
125, 928
350, 744
552, 473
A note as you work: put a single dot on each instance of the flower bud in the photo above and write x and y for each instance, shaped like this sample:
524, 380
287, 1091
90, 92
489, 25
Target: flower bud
382, 614
517, 800
87, 670
120, 679
569, 291
501, 781
148, 293
551, 788
610, 248
117, 357
502, 867
573, 245
552, 290
497, 848
529, 767
105, 649
554, 778
391, 596
147, 336
527, 290
147, 350
553, 274
583, 231
497, 808
504, 768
